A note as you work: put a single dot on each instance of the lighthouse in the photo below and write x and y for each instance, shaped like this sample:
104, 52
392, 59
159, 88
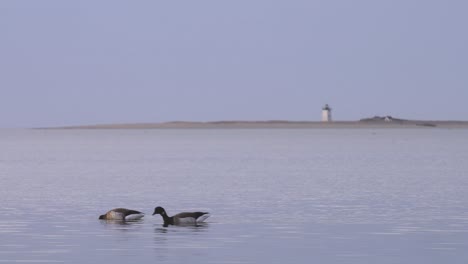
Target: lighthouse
326, 114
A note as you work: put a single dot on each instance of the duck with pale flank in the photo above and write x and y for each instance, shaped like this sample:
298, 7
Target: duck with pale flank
184, 218
122, 214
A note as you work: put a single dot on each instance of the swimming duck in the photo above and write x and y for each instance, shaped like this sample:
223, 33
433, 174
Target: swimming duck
122, 214
184, 218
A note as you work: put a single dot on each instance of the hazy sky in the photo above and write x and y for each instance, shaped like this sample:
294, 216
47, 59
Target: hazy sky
87, 62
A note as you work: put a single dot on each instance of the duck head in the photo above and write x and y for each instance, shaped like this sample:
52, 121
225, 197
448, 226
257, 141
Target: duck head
159, 210
102, 217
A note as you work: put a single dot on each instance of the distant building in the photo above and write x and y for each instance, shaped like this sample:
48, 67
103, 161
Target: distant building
326, 113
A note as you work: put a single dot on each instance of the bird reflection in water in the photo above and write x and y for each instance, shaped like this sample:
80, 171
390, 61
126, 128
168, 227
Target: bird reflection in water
122, 225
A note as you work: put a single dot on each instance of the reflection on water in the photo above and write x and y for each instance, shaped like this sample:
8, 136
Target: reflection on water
121, 222
122, 225
201, 227
276, 196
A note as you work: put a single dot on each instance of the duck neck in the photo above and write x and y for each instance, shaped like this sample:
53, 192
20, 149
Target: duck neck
167, 220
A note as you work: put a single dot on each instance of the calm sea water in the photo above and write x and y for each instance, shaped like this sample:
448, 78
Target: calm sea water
275, 196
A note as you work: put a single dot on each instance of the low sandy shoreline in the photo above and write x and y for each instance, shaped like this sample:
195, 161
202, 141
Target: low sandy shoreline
277, 124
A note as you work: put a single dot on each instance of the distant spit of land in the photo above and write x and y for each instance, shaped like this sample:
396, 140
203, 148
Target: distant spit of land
374, 122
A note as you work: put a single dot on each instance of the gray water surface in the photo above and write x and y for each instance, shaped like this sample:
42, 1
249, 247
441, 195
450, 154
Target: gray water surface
275, 196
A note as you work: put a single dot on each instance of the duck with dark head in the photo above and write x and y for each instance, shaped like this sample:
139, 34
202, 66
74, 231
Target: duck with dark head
184, 218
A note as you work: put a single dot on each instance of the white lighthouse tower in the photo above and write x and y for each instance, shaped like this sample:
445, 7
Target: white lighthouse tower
326, 114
